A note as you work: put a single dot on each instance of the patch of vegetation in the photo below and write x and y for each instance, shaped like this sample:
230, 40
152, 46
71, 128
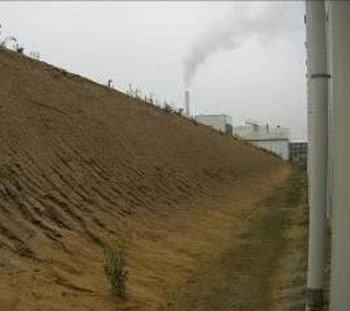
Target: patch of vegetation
115, 270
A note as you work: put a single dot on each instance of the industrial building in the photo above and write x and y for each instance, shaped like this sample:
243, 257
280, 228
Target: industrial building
298, 151
275, 140
220, 122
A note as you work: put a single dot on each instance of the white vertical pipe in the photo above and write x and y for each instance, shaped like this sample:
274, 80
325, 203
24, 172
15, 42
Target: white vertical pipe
317, 161
330, 119
187, 102
339, 18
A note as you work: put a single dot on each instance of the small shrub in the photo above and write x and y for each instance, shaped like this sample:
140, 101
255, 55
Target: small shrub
167, 108
115, 269
19, 49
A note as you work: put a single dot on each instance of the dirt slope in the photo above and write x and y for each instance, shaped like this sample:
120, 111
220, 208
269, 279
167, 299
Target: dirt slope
82, 165
264, 265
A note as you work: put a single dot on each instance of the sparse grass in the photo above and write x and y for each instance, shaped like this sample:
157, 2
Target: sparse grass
115, 269
266, 265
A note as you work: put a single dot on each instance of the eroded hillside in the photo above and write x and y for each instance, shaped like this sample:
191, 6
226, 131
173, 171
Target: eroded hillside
82, 165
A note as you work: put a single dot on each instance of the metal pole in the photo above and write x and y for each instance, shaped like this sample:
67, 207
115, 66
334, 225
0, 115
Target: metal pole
339, 13
317, 159
187, 103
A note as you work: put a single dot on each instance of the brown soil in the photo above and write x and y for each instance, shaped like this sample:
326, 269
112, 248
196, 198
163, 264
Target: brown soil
264, 266
82, 166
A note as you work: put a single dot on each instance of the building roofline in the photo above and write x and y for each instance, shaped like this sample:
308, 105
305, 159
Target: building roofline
213, 115
298, 142
267, 139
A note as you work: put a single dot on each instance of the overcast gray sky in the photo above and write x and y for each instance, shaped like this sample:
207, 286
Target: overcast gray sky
244, 59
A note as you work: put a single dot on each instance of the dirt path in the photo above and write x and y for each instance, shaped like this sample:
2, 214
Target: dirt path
264, 268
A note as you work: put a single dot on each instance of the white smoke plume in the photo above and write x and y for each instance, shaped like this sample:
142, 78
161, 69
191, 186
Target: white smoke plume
245, 19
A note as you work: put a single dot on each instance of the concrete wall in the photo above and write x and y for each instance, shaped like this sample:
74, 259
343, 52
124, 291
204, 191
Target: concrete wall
219, 122
339, 13
259, 132
278, 147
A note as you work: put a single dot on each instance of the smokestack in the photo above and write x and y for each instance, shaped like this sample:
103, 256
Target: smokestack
187, 102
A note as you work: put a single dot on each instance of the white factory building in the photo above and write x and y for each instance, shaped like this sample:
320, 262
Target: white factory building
220, 122
275, 139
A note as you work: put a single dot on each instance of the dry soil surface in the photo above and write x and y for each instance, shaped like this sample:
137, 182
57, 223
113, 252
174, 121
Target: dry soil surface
263, 267
83, 166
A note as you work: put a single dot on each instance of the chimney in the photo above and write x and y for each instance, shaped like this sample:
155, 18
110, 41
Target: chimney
187, 103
